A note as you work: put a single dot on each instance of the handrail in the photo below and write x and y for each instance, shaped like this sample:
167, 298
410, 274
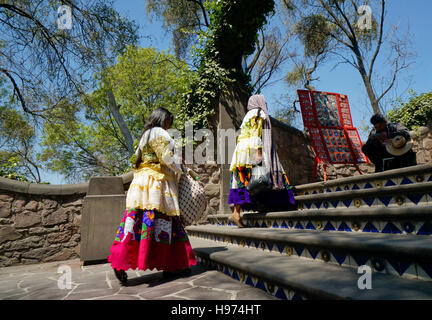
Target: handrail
48, 189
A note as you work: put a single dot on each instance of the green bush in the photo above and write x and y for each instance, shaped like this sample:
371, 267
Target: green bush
9, 169
415, 113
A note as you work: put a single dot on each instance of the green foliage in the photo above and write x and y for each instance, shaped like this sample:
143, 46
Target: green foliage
285, 115
415, 113
294, 78
80, 137
314, 32
197, 103
10, 168
234, 28
182, 18
83, 139
14, 127
232, 34
45, 61
17, 139
335, 29
284, 110
143, 80
317, 28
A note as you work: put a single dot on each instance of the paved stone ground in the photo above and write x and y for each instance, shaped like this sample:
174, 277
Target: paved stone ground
98, 282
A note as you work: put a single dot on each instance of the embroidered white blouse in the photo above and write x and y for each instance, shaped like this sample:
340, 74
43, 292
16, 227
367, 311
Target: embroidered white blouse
154, 186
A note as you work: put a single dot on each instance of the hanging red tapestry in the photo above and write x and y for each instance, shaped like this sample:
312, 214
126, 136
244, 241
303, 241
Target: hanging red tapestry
327, 117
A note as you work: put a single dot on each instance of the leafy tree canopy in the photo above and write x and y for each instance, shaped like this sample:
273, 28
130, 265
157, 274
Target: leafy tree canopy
415, 113
183, 18
17, 140
86, 141
40, 60
232, 33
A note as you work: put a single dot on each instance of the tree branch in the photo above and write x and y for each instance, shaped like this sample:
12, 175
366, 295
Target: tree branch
342, 41
257, 55
16, 89
200, 4
45, 33
379, 41
27, 159
396, 71
335, 18
353, 38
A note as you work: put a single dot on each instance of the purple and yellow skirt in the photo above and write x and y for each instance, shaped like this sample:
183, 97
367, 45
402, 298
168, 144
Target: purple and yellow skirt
273, 198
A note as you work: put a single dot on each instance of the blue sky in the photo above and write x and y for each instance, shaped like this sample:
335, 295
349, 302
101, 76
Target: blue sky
344, 79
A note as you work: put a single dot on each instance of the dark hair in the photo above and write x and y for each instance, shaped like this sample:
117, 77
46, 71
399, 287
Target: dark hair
160, 117
378, 118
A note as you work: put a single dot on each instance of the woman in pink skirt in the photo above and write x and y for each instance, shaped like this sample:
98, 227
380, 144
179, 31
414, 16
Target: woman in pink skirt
151, 235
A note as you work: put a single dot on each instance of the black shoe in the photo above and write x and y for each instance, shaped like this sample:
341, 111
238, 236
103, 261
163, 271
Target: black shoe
186, 272
121, 275
169, 275
183, 273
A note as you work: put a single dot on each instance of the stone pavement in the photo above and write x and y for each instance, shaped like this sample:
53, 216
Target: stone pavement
98, 282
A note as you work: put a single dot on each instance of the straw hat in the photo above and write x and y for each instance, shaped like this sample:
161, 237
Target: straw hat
398, 146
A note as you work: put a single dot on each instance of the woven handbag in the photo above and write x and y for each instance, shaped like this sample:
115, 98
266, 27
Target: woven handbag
192, 199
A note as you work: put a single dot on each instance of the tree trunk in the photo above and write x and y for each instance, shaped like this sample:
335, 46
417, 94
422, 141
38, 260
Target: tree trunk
370, 92
120, 121
367, 82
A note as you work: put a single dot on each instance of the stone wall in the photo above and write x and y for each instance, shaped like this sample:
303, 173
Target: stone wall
37, 228
423, 144
295, 152
42, 223
422, 139
210, 176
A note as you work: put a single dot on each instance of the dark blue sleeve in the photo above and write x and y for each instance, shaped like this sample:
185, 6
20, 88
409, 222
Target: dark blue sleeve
396, 129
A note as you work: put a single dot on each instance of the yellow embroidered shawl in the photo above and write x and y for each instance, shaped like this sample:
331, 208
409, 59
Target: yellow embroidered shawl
158, 158
249, 141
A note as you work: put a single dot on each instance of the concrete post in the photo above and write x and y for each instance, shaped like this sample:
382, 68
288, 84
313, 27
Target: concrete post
232, 109
103, 209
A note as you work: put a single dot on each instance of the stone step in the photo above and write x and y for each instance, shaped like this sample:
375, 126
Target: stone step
409, 256
410, 195
291, 278
399, 221
399, 177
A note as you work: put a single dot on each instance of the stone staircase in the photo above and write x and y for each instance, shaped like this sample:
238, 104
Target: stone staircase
383, 221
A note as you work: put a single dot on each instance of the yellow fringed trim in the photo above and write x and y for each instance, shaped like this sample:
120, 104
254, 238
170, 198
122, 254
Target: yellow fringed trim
149, 206
148, 188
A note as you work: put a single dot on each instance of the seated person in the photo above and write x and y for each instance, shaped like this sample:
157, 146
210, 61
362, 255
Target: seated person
389, 145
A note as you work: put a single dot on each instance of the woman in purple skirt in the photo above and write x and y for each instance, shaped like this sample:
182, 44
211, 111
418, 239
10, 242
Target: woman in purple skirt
254, 144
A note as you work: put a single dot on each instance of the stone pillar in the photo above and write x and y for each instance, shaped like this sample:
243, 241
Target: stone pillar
232, 109
103, 209
423, 144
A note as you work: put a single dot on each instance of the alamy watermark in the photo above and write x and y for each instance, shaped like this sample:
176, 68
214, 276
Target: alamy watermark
202, 146
365, 281
64, 282
64, 17
365, 20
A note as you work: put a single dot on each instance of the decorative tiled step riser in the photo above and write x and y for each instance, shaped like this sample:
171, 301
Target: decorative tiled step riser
404, 269
241, 276
366, 185
387, 227
391, 201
